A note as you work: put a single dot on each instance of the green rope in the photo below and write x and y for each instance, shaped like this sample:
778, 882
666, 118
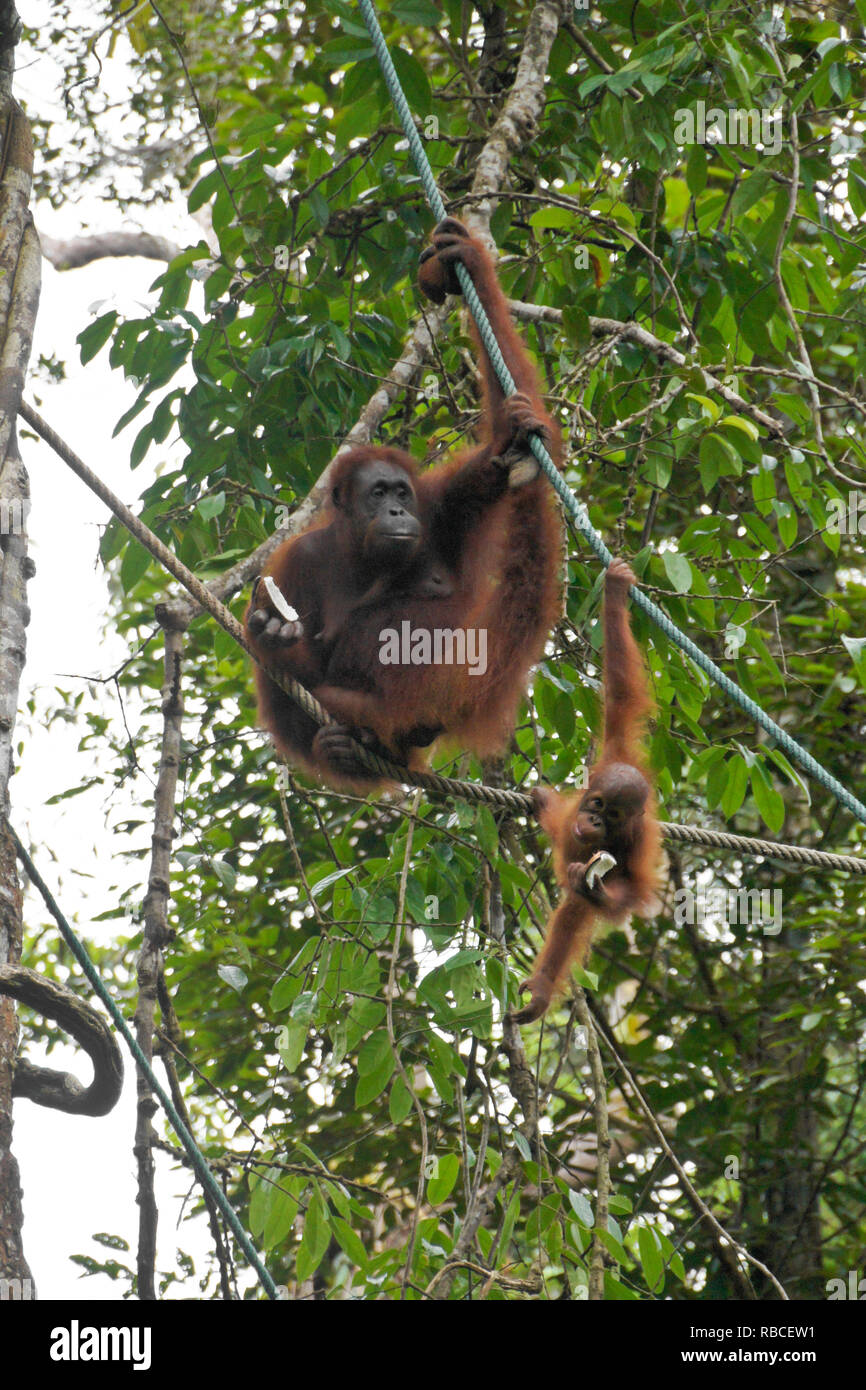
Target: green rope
576, 509
196, 1157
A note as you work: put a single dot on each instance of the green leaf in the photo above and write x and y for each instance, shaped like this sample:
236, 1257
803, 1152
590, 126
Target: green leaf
359, 79
460, 958
96, 335
319, 207
718, 458
737, 422
133, 565
363, 1015
696, 169
856, 648
616, 1291
204, 189
400, 1101
576, 326
373, 1053
735, 789
233, 976
763, 489
581, 1208
262, 1187
614, 1246
374, 1082
285, 990
414, 81
651, 1259
709, 409
555, 218
440, 1186
421, 12
349, 1241
786, 519
841, 80
318, 888
678, 570
590, 84
749, 192
225, 874
282, 1212
316, 1237
767, 800
654, 81
291, 1045
338, 53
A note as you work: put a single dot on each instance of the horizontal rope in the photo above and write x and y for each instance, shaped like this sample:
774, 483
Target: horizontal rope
771, 849
433, 782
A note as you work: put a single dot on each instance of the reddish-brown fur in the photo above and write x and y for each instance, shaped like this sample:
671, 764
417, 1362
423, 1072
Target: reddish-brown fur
492, 549
628, 829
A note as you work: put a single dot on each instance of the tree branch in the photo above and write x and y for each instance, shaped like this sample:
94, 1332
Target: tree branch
73, 252
58, 1089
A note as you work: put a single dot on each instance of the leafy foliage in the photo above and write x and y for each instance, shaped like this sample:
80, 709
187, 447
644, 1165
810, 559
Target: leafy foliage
326, 1028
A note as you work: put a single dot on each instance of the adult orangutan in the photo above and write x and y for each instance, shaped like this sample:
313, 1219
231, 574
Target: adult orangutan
405, 566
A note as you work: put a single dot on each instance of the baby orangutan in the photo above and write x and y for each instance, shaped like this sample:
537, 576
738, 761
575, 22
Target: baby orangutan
614, 817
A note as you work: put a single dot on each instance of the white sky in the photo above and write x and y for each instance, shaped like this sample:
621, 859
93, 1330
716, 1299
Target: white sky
78, 1174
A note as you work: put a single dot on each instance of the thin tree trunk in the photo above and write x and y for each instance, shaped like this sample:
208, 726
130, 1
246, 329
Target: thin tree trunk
19, 297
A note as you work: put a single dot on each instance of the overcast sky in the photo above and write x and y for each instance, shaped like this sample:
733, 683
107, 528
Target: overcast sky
78, 1174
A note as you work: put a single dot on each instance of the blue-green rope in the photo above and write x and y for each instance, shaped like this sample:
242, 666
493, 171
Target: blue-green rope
196, 1157
576, 509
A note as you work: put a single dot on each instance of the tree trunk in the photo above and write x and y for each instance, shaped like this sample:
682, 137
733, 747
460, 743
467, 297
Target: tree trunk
19, 297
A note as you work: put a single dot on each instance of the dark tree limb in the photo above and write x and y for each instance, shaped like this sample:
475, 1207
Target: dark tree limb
59, 1090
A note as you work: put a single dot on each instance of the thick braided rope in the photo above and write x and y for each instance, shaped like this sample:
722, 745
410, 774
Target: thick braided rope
479, 793
575, 509
749, 845
196, 1157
